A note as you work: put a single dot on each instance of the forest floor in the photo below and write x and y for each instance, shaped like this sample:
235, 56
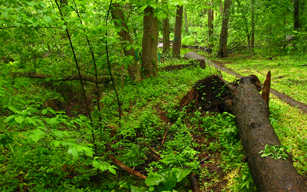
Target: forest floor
205, 143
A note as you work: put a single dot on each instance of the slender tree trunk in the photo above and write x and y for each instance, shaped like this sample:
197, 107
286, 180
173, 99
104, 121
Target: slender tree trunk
224, 32
253, 26
118, 17
150, 43
186, 24
210, 24
296, 14
177, 36
246, 24
166, 45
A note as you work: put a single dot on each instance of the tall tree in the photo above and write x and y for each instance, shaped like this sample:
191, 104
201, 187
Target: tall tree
177, 36
253, 26
166, 45
150, 43
246, 23
186, 24
296, 14
224, 32
210, 23
118, 17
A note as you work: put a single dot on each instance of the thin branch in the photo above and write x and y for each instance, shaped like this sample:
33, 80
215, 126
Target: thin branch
109, 66
128, 169
79, 73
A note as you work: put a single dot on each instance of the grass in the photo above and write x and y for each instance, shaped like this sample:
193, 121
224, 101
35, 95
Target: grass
289, 76
149, 108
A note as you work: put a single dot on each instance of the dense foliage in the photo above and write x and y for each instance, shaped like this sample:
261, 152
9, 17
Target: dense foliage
62, 133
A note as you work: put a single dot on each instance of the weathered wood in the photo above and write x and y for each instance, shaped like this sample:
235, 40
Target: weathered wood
67, 78
172, 67
256, 131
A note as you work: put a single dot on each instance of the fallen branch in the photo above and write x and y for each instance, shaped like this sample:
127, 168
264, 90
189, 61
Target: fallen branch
201, 63
67, 78
128, 169
152, 149
164, 137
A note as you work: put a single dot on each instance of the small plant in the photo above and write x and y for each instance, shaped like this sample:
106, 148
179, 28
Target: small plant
275, 152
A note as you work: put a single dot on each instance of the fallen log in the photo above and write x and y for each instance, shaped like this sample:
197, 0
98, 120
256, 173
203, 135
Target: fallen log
252, 119
201, 63
103, 80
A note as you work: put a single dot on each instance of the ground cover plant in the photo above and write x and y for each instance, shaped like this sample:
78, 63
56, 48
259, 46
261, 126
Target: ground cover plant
288, 74
89, 99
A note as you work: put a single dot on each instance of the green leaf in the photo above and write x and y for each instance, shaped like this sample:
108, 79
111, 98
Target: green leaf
19, 119
168, 159
48, 19
13, 109
96, 164
112, 170
44, 112
52, 120
153, 179
168, 182
73, 151
181, 173
88, 151
36, 135
9, 118
56, 143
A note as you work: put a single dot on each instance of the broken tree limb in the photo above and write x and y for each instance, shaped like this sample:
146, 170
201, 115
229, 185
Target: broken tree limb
266, 88
128, 169
67, 78
252, 119
202, 65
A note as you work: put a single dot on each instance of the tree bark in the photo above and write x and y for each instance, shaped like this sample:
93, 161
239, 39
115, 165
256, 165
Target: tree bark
186, 24
149, 43
210, 24
255, 129
296, 14
177, 36
224, 32
166, 44
119, 21
256, 132
253, 26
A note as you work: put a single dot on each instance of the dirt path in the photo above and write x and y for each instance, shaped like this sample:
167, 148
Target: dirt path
281, 96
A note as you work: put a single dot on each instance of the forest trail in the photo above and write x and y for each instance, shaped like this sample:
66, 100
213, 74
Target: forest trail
281, 96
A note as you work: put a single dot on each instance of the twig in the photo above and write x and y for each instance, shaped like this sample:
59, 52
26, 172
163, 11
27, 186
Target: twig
164, 137
152, 149
128, 169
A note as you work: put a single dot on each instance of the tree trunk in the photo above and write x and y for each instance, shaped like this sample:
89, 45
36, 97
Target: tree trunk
255, 129
119, 21
186, 24
246, 24
256, 132
224, 32
296, 14
166, 45
210, 24
177, 36
150, 43
253, 26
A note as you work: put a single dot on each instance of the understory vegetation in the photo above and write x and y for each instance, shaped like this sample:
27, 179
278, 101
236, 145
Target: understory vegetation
45, 149
86, 105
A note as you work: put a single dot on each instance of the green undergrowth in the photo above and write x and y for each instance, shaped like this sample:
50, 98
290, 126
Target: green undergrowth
46, 150
288, 75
